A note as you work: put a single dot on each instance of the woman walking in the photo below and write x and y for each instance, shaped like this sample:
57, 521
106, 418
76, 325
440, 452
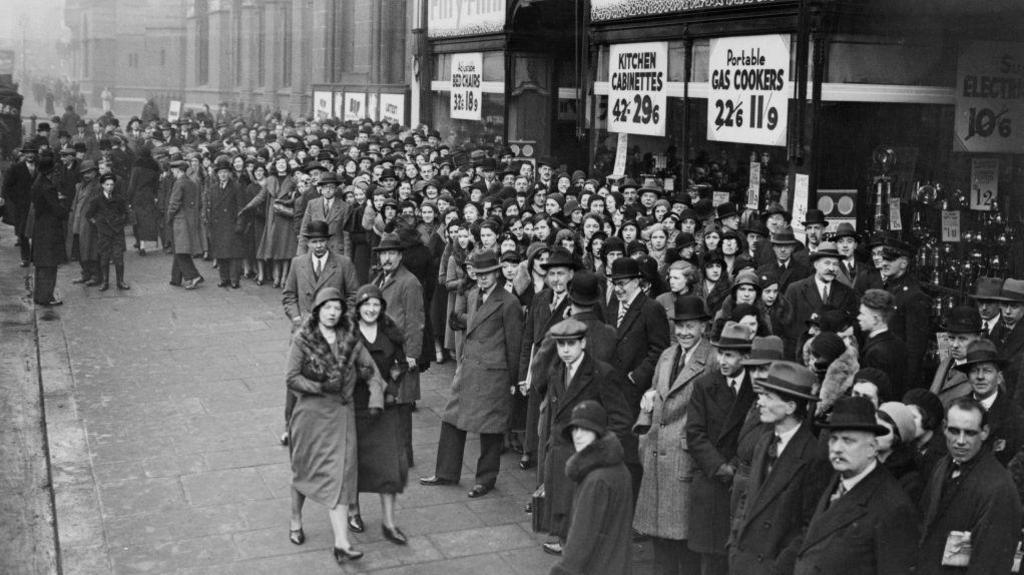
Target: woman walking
324, 363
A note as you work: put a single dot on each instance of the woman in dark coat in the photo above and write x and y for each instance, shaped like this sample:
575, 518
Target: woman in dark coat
109, 213
383, 467
253, 222
143, 186
324, 363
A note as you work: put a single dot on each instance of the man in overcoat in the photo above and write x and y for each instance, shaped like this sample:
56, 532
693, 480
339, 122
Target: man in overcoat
789, 472
969, 492
641, 330
1004, 417
963, 327
1009, 331
223, 201
912, 307
485, 375
17, 194
83, 240
783, 265
47, 234
717, 409
330, 208
864, 523
182, 218
808, 295
318, 268
882, 349
663, 506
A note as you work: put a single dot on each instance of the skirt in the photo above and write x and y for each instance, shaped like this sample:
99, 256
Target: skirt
381, 452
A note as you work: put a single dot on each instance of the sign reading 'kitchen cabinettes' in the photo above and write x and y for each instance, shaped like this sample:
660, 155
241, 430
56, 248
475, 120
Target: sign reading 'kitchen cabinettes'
750, 89
637, 84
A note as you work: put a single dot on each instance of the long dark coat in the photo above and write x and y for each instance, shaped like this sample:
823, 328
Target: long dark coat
85, 196
779, 506
47, 232
663, 506
279, 242
1006, 427
110, 217
750, 435
17, 192
714, 417
224, 223
872, 530
488, 365
182, 216
910, 323
984, 502
1010, 344
804, 297
143, 187
795, 270
888, 353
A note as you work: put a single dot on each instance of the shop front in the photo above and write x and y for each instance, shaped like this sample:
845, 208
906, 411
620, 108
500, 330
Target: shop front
360, 102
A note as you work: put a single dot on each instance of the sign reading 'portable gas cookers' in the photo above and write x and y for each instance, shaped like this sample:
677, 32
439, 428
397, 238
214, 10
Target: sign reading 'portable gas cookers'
990, 98
637, 78
750, 89
467, 77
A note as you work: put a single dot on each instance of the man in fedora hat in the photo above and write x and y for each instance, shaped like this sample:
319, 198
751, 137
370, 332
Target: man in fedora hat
641, 334
82, 231
479, 398
912, 305
864, 523
330, 208
969, 495
986, 298
963, 327
809, 295
985, 368
546, 309
789, 472
663, 505
782, 264
1008, 334
714, 416
183, 219
852, 272
222, 202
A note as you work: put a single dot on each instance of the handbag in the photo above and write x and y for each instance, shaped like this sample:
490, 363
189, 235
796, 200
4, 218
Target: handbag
455, 322
537, 522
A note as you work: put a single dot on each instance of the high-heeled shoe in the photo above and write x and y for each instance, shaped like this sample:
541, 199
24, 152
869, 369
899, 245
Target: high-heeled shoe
355, 524
340, 554
394, 535
297, 536
526, 462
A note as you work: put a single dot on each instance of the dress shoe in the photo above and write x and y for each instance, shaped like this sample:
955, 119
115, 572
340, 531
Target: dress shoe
526, 462
355, 524
553, 548
340, 555
479, 491
123, 286
435, 480
53, 302
394, 535
105, 286
175, 284
92, 282
79, 280
235, 285
296, 536
284, 438
223, 284
142, 252
259, 281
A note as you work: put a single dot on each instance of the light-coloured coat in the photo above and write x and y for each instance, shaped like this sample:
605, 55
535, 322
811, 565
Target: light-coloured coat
339, 242
404, 296
183, 216
301, 284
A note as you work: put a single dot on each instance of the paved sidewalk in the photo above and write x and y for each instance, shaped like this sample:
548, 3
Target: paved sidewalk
167, 408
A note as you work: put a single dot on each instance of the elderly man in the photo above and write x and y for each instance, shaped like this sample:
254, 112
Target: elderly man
789, 474
970, 499
810, 294
331, 209
663, 506
911, 306
963, 327
984, 368
717, 409
864, 523
1009, 332
479, 399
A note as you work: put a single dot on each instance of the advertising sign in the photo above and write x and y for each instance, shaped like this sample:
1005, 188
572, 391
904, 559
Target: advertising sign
621, 151
174, 111
990, 98
339, 105
392, 108
355, 106
754, 186
464, 17
984, 183
467, 96
750, 89
323, 105
637, 75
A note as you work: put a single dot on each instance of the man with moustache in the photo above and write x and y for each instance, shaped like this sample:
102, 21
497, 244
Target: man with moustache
864, 523
912, 306
984, 368
789, 474
969, 497
963, 327
810, 294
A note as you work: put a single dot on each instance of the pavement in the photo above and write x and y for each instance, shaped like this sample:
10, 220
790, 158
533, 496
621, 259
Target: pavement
154, 415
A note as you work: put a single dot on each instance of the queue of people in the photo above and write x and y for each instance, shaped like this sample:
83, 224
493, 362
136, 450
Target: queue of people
667, 369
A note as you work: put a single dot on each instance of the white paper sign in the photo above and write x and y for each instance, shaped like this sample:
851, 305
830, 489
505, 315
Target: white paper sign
984, 183
621, 150
392, 108
373, 106
750, 89
989, 107
801, 187
339, 105
718, 198
174, 111
355, 105
950, 226
467, 76
323, 105
637, 75
754, 186
895, 217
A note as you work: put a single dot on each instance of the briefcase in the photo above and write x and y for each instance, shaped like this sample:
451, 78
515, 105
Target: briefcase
537, 504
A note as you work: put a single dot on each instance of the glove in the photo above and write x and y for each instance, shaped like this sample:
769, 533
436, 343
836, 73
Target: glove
375, 412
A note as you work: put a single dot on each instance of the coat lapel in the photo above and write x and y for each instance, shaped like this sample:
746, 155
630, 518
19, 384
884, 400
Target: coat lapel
580, 379
482, 312
330, 268
791, 460
692, 368
847, 509
737, 408
631, 314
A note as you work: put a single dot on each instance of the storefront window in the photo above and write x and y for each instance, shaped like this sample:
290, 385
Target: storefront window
460, 131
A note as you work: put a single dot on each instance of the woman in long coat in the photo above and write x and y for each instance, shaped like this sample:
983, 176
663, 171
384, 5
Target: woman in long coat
143, 186
278, 244
324, 363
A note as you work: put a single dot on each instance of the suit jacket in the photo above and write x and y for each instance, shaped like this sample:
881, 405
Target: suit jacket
340, 242
805, 299
909, 323
888, 353
985, 502
780, 504
872, 530
640, 339
539, 319
949, 383
713, 421
1006, 427
301, 284
1011, 347
796, 270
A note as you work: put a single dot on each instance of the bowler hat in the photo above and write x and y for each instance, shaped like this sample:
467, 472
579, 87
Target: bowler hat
589, 415
791, 380
568, 329
317, 229
560, 258
987, 289
814, 216
485, 261
776, 208
755, 226
656, 190
1012, 291
825, 250
734, 336
328, 178
784, 238
222, 164
854, 413
325, 295
963, 319
845, 230
896, 248
386, 174
389, 242
625, 268
179, 163
981, 351
585, 289
765, 350
726, 210
687, 308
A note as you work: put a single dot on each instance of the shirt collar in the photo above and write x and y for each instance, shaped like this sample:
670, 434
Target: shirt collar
785, 437
574, 366
321, 260
989, 401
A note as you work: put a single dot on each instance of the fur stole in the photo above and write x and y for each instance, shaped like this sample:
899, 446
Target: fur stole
606, 451
321, 364
838, 379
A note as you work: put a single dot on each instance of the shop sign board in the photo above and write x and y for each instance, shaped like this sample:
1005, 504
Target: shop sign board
174, 111
621, 151
950, 225
839, 207
990, 98
750, 89
467, 77
603, 10
339, 105
464, 17
323, 105
801, 191
895, 215
392, 108
637, 78
355, 106
984, 183
373, 106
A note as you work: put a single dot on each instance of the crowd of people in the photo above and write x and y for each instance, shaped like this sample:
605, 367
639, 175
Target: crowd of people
669, 369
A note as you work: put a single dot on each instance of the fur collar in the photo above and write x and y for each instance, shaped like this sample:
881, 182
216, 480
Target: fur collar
321, 364
838, 379
605, 452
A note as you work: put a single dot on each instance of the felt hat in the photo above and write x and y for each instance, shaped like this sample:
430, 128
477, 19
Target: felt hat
688, 307
814, 216
317, 229
825, 250
389, 242
845, 230
325, 295
1012, 291
734, 336
179, 163
371, 291
568, 329
485, 261
987, 289
854, 413
585, 289
755, 226
765, 350
777, 209
223, 164
963, 319
828, 345
625, 268
784, 238
329, 178
896, 248
791, 380
747, 277
726, 210
560, 258
981, 351
587, 414
87, 166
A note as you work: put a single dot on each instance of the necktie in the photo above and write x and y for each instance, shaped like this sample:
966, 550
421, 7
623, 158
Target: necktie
327, 207
957, 470
824, 293
483, 297
734, 386
556, 300
678, 364
773, 452
840, 491
318, 268
623, 308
